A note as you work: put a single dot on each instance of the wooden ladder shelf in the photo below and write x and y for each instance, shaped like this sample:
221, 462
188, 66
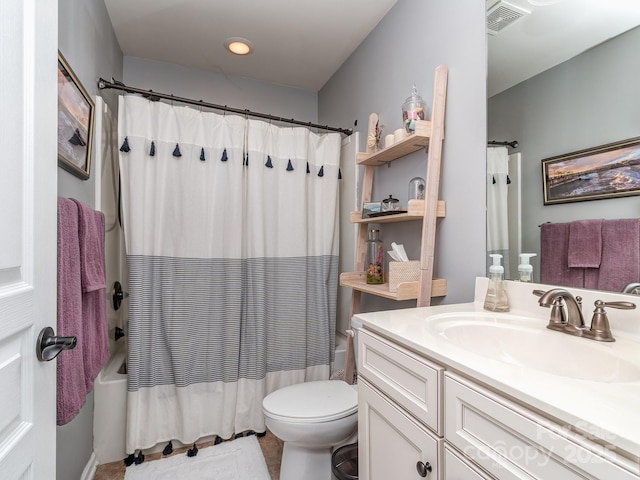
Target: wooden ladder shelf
430, 135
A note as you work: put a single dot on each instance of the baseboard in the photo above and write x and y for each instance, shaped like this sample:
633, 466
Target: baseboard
90, 468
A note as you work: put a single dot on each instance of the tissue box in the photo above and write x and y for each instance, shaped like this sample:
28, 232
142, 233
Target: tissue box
403, 272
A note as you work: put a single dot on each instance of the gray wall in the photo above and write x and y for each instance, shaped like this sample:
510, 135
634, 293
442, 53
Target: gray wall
404, 49
584, 102
87, 41
236, 92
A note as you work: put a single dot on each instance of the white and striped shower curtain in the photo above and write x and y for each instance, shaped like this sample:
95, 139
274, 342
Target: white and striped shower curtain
497, 205
231, 233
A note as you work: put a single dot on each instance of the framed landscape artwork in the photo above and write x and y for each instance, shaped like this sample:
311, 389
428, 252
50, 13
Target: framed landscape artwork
75, 122
607, 171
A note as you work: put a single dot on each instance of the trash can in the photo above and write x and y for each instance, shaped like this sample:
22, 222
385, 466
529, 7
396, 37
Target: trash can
344, 463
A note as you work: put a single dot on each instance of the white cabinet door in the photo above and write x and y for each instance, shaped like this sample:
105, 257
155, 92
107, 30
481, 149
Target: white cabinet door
456, 468
513, 443
28, 184
390, 443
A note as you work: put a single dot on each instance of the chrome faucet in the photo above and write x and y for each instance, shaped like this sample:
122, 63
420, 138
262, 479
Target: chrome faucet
574, 324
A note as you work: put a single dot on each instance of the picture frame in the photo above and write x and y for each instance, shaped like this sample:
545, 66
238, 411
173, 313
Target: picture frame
75, 122
370, 208
606, 171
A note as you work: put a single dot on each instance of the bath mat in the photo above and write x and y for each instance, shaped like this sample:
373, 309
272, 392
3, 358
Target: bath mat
239, 459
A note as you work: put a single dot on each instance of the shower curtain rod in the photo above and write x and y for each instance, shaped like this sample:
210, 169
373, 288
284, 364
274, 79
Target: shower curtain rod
513, 144
155, 96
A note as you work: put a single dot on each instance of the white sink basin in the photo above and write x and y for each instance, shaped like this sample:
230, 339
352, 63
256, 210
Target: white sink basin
525, 342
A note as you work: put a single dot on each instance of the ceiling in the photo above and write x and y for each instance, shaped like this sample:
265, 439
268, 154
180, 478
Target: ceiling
296, 43
302, 44
554, 31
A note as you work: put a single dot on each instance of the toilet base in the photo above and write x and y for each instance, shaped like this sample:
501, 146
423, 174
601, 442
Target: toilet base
305, 462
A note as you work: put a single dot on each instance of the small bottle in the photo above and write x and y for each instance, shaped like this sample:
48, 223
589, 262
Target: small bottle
375, 258
496, 299
525, 269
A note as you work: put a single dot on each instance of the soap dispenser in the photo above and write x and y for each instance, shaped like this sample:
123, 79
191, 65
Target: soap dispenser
496, 299
525, 269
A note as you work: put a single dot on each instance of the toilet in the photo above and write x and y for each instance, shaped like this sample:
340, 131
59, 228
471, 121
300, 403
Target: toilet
311, 419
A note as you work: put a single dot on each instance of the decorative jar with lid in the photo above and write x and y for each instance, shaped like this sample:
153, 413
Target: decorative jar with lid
412, 110
416, 188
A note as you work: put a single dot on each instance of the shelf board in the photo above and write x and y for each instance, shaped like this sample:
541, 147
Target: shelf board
415, 211
413, 143
406, 290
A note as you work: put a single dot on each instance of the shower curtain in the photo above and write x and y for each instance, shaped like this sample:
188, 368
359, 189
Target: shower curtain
497, 206
231, 233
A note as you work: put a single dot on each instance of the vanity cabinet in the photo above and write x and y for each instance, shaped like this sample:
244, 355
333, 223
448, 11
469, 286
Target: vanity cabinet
399, 412
413, 410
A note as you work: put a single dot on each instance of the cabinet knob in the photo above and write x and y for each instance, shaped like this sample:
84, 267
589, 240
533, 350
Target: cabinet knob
423, 468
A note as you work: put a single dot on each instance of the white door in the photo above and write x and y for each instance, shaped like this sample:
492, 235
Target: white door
28, 185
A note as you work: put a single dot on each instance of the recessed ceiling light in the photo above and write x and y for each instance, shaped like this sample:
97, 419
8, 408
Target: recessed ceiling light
239, 45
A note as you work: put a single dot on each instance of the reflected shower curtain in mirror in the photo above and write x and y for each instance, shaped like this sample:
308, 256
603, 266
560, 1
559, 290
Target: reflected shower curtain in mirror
231, 234
497, 206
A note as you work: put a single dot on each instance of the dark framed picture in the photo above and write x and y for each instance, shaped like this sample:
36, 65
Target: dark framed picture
75, 122
607, 171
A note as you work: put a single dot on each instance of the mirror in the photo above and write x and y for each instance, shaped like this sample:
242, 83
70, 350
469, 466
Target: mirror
562, 78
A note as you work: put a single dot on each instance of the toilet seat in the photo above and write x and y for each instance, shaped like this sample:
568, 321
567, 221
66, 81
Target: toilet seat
312, 402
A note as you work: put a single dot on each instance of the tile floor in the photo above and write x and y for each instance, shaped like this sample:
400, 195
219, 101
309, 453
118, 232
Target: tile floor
271, 448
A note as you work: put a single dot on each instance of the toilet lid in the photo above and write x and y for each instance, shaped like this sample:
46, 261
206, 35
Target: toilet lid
320, 401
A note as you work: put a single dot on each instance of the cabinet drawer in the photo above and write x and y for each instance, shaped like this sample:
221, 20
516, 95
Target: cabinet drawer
390, 442
455, 468
409, 380
511, 442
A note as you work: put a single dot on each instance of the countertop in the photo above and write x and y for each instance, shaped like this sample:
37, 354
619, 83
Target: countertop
607, 411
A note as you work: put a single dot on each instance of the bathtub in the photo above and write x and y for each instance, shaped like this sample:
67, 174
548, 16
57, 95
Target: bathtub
110, 405
110, 410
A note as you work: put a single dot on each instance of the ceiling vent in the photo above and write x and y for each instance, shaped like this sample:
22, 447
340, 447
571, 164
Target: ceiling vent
503, 15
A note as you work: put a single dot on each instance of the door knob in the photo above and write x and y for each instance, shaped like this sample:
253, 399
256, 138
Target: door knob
48, 346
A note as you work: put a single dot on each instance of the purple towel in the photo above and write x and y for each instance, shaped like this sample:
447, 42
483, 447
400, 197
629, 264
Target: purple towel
620, 254
71, 384
585, 244
554, 252
92, 272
